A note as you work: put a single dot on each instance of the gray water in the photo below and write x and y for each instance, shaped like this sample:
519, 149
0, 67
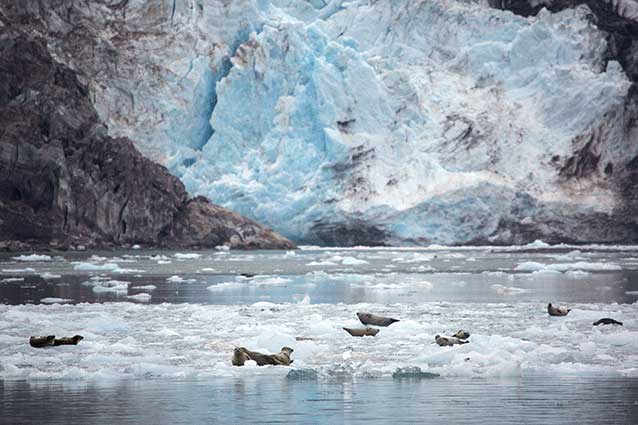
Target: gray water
134, 367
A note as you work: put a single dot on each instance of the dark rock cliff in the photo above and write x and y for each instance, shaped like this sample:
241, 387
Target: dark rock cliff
64, 182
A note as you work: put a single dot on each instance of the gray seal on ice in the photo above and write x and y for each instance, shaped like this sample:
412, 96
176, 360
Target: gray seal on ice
242, 354
371, 319
41, 341
68, 340
557, 311
607, 321
461, 334
362, 331
448, 340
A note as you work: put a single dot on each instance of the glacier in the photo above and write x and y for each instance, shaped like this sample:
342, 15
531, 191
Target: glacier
369, 122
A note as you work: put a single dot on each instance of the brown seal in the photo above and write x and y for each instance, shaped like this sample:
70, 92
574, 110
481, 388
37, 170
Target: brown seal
449, 340
557, 311
68, 340
41, 341
241, 355
362, 331
371, 319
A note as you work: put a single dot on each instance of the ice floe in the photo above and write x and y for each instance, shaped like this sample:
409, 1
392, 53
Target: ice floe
138, 340
33, 257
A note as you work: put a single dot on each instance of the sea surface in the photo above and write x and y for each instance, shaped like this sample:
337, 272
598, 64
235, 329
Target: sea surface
159, 328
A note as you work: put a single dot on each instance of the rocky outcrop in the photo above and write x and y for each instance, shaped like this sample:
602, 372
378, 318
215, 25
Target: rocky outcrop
65, 182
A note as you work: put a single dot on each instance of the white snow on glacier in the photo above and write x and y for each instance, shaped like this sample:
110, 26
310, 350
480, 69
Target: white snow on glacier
430, 120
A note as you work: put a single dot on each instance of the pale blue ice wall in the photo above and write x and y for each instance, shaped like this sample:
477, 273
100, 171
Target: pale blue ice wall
432, 121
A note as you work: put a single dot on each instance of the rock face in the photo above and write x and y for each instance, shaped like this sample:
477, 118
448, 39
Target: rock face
64, 181
386, 122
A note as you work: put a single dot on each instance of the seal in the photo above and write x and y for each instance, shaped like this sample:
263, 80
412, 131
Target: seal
239, 356
68, 340
371, 319
41, 341
242, 354
449, 340
607, 321
461, 334
557, 311
362, 331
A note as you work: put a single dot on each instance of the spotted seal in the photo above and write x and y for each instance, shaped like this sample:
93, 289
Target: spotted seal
557, 311
448, 340
242, 354
68, 340
461, 334
41, 341
607, 321
371, 319
362, 331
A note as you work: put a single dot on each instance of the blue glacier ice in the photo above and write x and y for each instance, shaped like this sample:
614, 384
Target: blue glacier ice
419, 121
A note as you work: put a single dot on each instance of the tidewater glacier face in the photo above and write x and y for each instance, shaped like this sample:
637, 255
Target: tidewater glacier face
371, 122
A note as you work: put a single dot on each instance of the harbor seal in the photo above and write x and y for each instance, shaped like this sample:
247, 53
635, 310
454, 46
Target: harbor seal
41, 341
362, 331
242, 354
557, 311
461, 334
449, 340
239, 356
68, 340
607, 321
371, 319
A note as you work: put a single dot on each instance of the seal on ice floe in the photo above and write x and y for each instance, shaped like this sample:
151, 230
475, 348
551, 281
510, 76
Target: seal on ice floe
461, 334
607, 321
241, 355
371, 319
449, 340
73, 340
41, 341
362, 331
557, 311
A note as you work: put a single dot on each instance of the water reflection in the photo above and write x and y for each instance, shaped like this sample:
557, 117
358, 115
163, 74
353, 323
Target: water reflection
531, 399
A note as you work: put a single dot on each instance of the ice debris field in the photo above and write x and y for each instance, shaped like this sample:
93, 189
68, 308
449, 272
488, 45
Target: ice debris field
303, 299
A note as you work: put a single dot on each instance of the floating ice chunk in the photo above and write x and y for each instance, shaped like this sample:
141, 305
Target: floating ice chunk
140, 297
136, 247
305, 300
270, 281
145, 287
351, 261
179, 279
97, 259
537, 244
163, 262
577, 274
48, 275
33, 257
53, 300
222, 248
207, 270
290, 254
321, 263
106, 286
225, 285
508, 290
25, 270
187, 256
12, 279
561, 267
90, 267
